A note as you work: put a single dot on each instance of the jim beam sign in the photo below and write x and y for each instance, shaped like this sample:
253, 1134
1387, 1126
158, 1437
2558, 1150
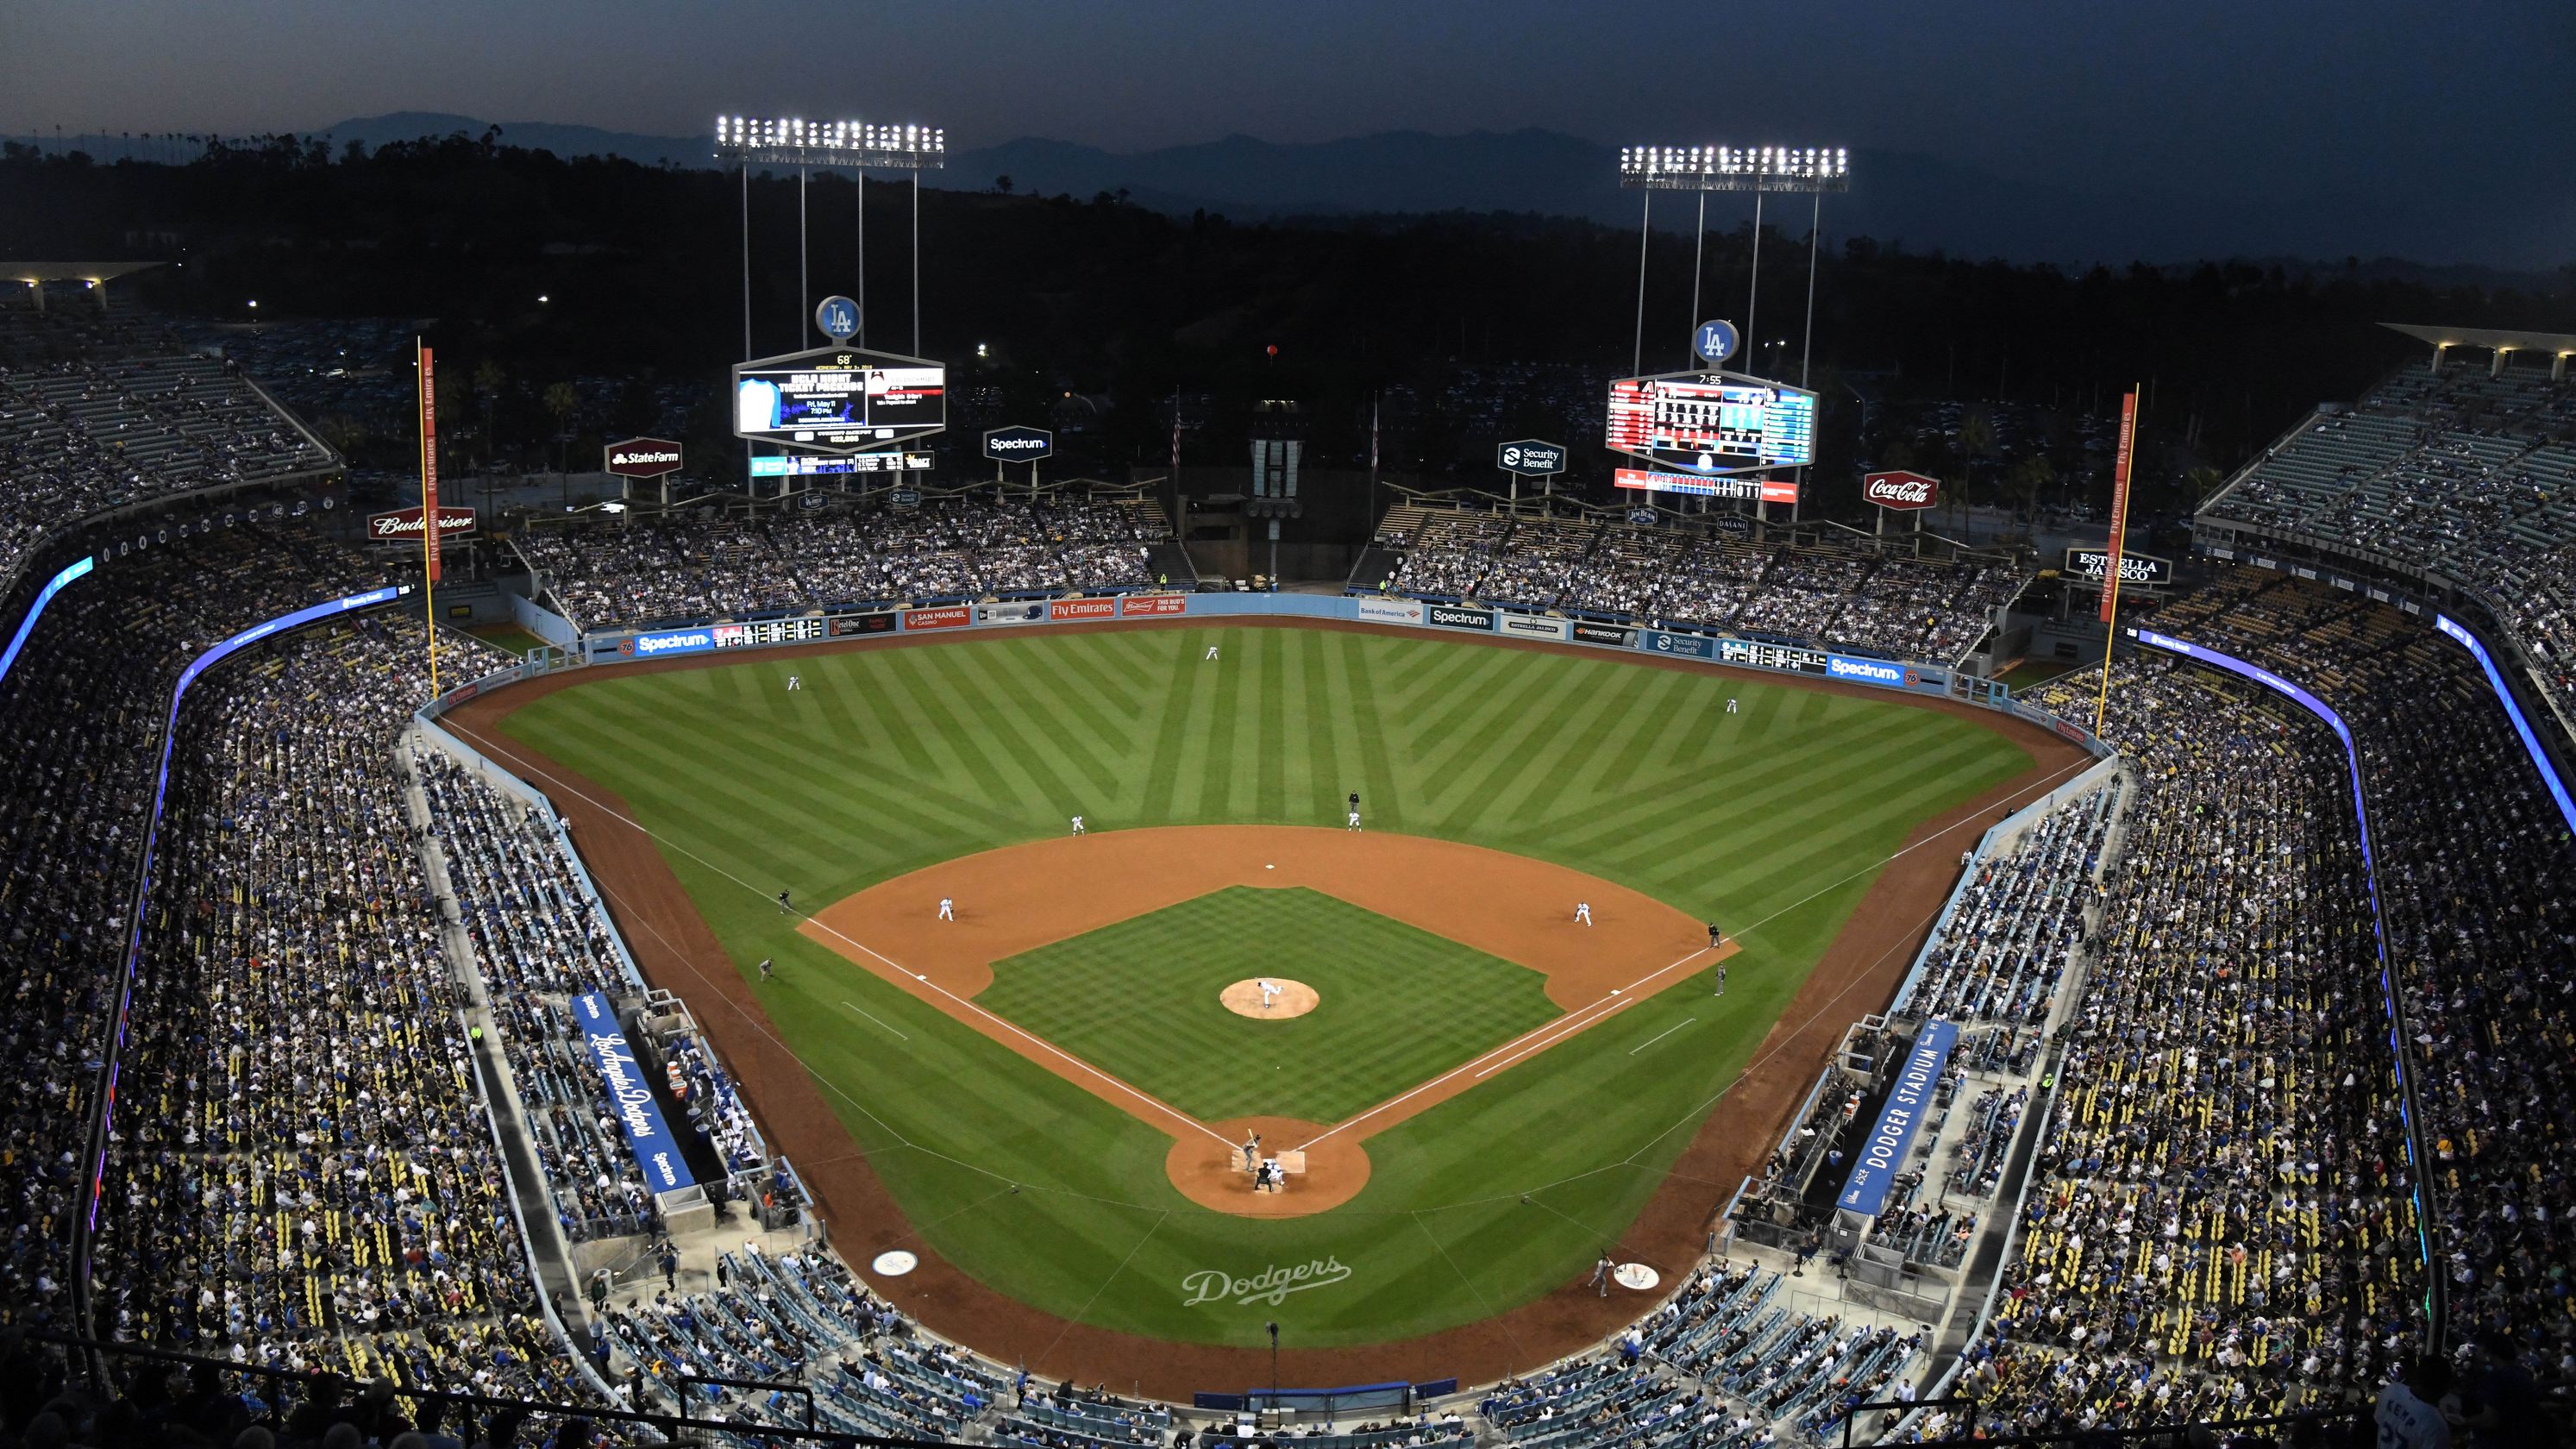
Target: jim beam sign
1903, 491
402, 525
643, 457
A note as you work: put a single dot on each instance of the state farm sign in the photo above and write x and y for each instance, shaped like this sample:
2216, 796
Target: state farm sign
643, 457
1900, 490
403, 524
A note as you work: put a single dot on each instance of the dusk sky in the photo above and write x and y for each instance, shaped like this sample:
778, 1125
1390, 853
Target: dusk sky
2224, 100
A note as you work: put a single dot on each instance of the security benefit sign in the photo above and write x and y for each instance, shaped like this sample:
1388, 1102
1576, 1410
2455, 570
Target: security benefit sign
1882, 1152
630, 1100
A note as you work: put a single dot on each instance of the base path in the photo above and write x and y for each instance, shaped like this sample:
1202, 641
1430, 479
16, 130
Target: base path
676, 950
1021, 897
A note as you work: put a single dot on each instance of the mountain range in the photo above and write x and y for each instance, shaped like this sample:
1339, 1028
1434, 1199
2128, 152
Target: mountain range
1922, 202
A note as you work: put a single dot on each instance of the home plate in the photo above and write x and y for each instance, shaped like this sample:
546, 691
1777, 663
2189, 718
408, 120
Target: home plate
896, 1263
1629, 1275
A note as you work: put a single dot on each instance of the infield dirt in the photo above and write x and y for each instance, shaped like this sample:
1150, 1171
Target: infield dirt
676, 950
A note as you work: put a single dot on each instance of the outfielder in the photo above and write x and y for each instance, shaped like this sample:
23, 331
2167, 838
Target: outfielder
795, 683
1583, 912
947, 909
1730, 706
1077, 825
1211, 651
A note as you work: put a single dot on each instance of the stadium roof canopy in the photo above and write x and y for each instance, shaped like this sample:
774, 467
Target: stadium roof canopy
32, 272
2555, 344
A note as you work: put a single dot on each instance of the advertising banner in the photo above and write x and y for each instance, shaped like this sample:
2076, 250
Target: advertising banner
402, 525
1605, 634
1867, 671
2145, 569
1031, 611
1882, 1152
1691, 646
851, 625
2120, 464
669, 641
1146, 606
1900, 490
1522, 626
1531, 455
1083, 609
630, 1100
1745, 487
1450, 616
954, 616
1390, 611
429, 475
643, 457
1017, 445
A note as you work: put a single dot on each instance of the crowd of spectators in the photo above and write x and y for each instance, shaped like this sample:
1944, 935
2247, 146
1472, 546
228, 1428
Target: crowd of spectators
78, 437
701, 564
1844, 594
2464, 476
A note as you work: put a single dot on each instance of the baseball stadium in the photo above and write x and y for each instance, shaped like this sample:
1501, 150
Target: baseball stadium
1708, 938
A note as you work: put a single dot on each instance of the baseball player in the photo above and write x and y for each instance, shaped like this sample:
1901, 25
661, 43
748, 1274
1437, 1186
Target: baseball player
1077, 825
1211, 651
795, 683
1251, 1150
1716, 937
1601, 1273
1730, 706
1583, 912
764, 967
1721, 981
947, 909
1355, 820
1269, 993
782, 903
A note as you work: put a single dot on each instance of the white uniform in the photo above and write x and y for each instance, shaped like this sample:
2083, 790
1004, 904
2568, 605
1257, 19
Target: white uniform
1211, 651
1077, 825
795, 683
1583, 912
1355, 820
947, 909
1730, 706
1268, 993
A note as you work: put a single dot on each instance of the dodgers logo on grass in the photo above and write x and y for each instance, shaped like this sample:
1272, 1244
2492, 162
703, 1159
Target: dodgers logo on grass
1271, 1285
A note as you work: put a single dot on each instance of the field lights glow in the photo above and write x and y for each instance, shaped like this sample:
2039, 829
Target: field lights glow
1736, 168
794, 139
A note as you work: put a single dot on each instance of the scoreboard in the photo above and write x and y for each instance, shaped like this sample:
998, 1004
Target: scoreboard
767, 631
1712, 422
838, 400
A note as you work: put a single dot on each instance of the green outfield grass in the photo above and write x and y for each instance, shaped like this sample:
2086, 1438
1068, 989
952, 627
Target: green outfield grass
1771, 820
1395, 1005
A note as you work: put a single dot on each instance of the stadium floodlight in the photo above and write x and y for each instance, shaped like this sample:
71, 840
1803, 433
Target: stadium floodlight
791, 141
830, 145
1735, 168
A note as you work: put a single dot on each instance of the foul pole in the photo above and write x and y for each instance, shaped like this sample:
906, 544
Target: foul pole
428, 503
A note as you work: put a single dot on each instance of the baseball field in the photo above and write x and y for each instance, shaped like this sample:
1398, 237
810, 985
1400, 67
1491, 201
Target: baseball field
1045, 1094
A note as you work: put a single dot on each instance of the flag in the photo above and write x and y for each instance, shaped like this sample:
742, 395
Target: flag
2120, 462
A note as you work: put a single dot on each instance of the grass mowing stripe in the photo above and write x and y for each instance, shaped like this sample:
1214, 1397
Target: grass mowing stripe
1551, 767
1469, 697
1655, 697
1087, 728
1011, 765
879, 795
1041, 743
1511, 710
1172, 739
1346, 667
1531, 747
1756, 779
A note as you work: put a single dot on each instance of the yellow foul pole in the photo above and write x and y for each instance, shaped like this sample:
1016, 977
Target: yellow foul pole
2120, 466
428, 504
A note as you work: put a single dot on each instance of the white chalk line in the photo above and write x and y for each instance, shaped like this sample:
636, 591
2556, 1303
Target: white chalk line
872, 1016
1659, 1036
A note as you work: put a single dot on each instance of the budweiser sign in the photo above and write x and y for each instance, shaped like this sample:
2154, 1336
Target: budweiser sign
643, 457
1900, 490
403, 524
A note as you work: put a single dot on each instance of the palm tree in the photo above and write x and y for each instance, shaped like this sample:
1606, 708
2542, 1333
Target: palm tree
1976, 440
563, 401
2030, 477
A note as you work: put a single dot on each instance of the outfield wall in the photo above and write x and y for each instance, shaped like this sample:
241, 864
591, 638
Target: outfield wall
621, 645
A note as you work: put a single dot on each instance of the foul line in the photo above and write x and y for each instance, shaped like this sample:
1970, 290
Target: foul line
872, 1016
1659, 1036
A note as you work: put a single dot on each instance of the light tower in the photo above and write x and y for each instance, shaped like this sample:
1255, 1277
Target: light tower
852, 146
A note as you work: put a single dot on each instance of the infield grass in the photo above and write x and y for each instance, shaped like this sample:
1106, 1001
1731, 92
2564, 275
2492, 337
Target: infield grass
1772, 820
1396, 1005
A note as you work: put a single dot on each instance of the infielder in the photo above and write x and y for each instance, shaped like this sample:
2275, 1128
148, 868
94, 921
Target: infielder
947, 909
764, 967
1583, 912
1269, 993
1355, 820
1077, 825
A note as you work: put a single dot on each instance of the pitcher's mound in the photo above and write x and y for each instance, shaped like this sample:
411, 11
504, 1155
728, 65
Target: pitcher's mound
1286, 999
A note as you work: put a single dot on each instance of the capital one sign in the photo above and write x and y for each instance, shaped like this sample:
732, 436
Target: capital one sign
1900, 490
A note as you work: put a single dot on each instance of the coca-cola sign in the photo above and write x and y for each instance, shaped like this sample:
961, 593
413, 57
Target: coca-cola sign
1900, 490
643, 457
403, 524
